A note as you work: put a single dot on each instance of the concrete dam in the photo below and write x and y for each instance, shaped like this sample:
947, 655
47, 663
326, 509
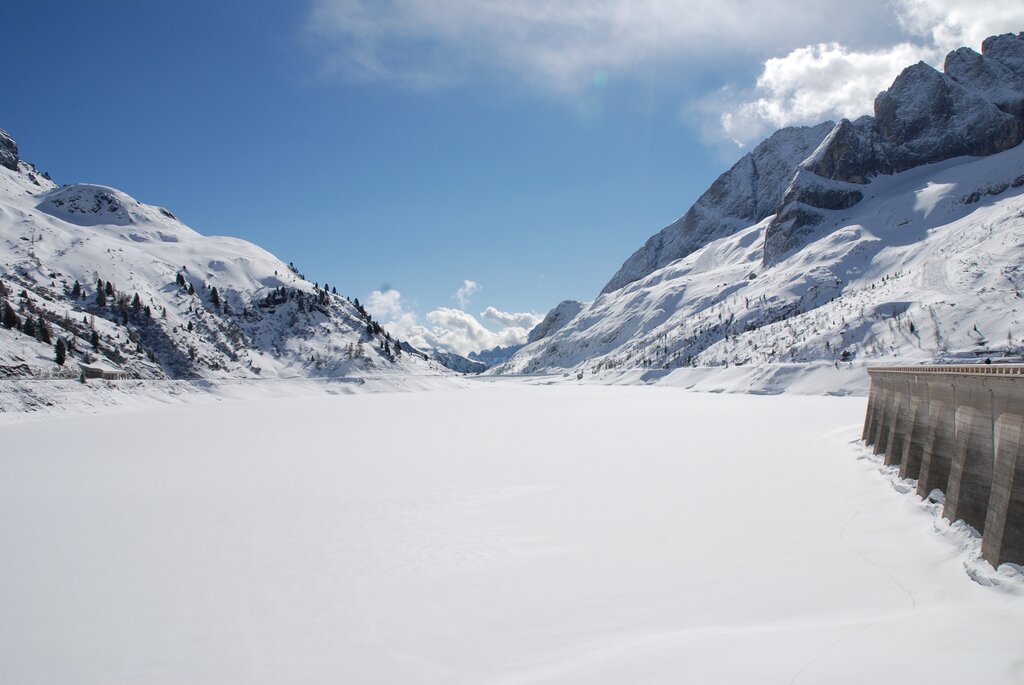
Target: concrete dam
958, 429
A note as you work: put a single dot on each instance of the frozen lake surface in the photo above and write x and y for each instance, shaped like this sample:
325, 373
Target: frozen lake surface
509, 533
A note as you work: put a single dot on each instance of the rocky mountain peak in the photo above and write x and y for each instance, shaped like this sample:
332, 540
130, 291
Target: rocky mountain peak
1008, 49
992, 79
974, 107
8, 151
556, 319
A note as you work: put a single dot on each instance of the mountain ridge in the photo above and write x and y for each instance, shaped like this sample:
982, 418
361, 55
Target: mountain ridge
829, 278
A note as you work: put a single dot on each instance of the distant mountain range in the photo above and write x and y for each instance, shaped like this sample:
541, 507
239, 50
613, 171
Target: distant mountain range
897, 236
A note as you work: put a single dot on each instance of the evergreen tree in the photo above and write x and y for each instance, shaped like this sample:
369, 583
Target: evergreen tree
136, 304
9, 319
43, 331
215, 297
76, 291
191, 289
29, 327
101, 298
95, 339
60, 351
110, 289
180, 280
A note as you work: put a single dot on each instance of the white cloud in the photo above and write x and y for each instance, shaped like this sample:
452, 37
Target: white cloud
464, 293
950, 24
561, 46
461, 332
506, 319
831, 57
453, 329
384, 305
813, 84
830, 81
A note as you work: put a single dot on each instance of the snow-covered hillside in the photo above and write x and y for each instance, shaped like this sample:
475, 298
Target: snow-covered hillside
128, 288
748, 192
866, 263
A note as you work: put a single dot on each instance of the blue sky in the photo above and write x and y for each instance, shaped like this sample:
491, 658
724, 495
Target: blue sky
403, 147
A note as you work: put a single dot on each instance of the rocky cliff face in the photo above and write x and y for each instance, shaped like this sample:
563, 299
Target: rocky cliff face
751, 190
974, 107
8, 151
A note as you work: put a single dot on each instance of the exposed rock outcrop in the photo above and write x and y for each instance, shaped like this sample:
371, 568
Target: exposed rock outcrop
1008, 49
8, 151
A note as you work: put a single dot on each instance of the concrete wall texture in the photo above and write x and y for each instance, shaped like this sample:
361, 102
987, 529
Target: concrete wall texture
958, 429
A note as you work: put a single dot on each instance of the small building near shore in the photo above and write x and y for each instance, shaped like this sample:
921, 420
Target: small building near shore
103, 372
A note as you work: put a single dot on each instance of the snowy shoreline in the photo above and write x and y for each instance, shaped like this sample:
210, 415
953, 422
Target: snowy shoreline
25, 398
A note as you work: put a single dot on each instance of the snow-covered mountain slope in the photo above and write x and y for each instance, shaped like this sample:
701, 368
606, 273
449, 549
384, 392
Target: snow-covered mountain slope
890, 243
930, 265
748, 192
555, 320
155, 299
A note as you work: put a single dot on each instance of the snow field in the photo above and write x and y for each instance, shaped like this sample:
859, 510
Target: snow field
507, 533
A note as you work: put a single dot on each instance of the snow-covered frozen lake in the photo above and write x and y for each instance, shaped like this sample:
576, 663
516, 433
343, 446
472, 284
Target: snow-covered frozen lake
509, 533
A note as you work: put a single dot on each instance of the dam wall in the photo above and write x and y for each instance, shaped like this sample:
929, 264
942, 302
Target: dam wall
960, 430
